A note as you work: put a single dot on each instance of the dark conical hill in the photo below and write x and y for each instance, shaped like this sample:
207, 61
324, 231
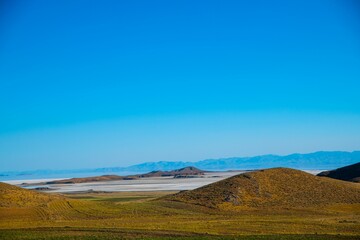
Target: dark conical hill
277, 187
349, 173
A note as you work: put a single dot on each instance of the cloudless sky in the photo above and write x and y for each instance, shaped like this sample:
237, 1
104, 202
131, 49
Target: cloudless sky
115, 83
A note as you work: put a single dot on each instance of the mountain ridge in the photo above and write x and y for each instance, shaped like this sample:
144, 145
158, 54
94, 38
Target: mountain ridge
321, 160
316, 160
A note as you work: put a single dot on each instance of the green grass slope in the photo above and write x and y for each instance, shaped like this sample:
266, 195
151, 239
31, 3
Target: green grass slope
49, 216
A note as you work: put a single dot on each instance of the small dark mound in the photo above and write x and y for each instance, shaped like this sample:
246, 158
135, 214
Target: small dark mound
190, 169
186, 171
349, 173
277, 187
87, 179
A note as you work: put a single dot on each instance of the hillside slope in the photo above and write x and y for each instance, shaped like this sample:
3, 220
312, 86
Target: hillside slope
17, 203
349, 173
12, 196
277, 187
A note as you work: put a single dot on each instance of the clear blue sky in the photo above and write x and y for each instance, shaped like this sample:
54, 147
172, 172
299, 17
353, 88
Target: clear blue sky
114, 83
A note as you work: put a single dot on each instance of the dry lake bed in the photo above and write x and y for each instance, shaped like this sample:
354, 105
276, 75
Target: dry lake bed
144, 184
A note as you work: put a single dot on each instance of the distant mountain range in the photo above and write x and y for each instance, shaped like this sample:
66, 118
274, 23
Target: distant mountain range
316, 160
323, 160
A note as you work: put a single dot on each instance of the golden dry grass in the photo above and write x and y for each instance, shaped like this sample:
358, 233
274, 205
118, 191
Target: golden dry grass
12, 196
278, 187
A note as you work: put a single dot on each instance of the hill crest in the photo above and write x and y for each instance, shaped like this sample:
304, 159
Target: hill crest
276, 187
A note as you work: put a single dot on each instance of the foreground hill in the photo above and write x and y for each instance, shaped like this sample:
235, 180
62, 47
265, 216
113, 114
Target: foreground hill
12, 196
348, 173
278, 187
17, 203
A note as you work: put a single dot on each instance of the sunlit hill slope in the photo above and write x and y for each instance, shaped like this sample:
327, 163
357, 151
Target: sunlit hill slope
18, 203
278, 187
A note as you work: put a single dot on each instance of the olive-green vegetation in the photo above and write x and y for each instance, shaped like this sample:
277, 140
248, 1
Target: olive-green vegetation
26, 214
272, 188
119, 197
100, 234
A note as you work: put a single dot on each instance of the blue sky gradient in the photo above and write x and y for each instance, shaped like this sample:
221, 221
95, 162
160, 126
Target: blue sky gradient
114, 83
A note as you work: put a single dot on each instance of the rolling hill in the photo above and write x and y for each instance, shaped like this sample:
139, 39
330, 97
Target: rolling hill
25, 214
277, 187
12, 196
348, 173
18, 203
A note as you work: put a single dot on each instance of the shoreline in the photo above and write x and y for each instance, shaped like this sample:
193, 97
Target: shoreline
135, 185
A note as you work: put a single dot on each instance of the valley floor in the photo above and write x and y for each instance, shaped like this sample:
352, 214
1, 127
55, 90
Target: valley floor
137, 215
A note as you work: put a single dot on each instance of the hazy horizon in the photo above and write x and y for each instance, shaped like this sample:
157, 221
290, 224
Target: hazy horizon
169, 161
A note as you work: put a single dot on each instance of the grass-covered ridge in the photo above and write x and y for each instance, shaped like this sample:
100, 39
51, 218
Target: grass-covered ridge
277, 187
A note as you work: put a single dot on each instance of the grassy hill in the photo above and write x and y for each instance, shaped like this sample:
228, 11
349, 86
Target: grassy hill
348, 173
18, 203
12, 196
277, 187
